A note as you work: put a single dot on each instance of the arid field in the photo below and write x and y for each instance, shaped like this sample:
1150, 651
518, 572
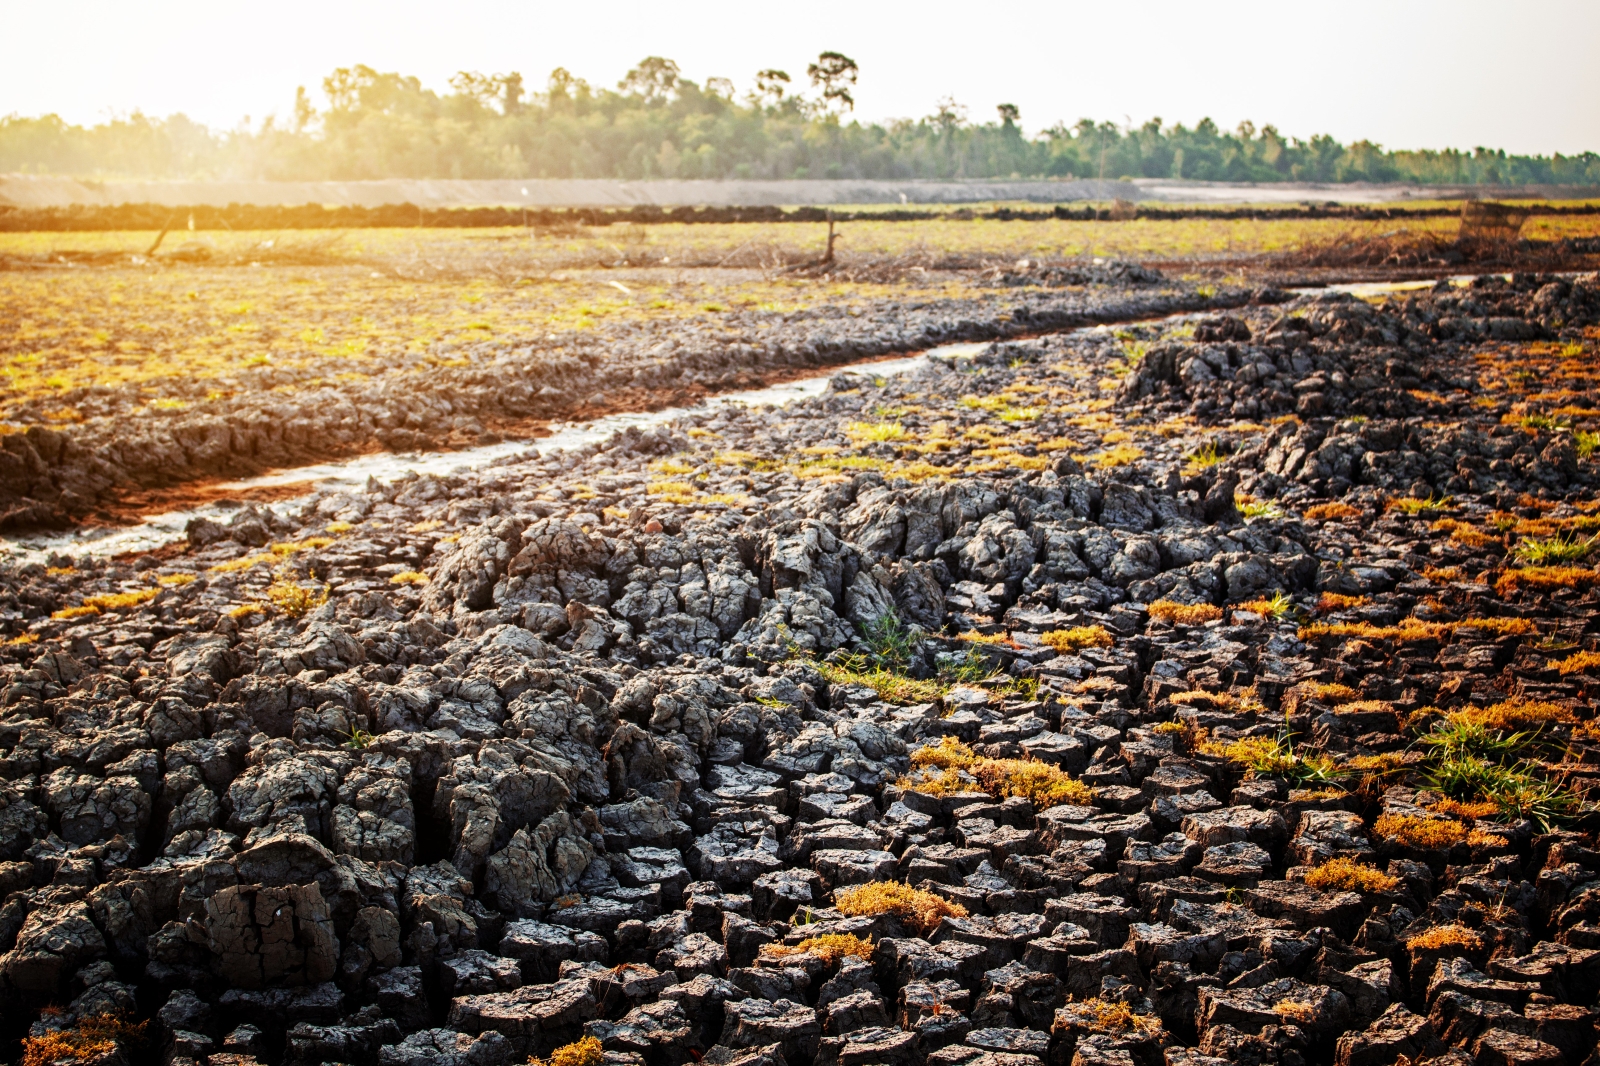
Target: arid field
1198, 667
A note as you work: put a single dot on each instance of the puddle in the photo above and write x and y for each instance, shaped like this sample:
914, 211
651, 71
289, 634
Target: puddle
160, 530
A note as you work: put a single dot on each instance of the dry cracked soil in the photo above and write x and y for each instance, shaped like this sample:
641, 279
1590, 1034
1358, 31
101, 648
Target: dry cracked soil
1211, 690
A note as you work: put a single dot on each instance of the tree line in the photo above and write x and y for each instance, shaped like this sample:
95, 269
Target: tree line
658, 124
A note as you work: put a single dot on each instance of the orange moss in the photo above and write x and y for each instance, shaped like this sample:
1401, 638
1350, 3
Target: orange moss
829, 946
1333, 601
1412, 831
89, 1039
1185, 614
1514, 714
1447, 936
1347, 875
1324, 512
1068, 640
1572, 664
585, 1052
921, 910
1546, 578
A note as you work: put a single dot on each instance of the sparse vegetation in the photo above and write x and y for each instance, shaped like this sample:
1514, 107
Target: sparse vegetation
1076, 638
1331, 512
1185, 614
1347, 875
1416, 832
921, 910
1446, 936
586, 1051
830, 946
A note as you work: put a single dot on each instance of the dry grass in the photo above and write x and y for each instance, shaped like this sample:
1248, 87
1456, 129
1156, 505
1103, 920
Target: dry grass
919, 909
1222, 701
893, 687
1446, 936
1411, 831
1515, 714
1546, 579
1501, 626
960, 769
88, 1040
110, 601
1069, 640
1350, 876
1295, 1012
585, 1052
1579, 663
409, 577
830, 946
1326, 512
1185, 614
294, 599
1409, 629
1109, 1016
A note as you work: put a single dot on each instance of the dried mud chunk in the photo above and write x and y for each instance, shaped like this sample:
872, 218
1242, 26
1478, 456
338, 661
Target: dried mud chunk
374, 820
444, 1047
1500, 1047
284, 791
272, 936
535, 1019
536, 867
91, 808
757, 1022
54, 941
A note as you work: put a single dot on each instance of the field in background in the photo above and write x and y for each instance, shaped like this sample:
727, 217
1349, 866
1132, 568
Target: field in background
209, 314
770, 245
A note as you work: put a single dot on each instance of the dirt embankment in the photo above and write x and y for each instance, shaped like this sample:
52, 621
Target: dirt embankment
52, 476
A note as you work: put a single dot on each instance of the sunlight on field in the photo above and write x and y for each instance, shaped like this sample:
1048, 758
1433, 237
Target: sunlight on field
189, 334
330, 305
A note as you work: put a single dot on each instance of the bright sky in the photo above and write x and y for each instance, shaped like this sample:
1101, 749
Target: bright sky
1406, 73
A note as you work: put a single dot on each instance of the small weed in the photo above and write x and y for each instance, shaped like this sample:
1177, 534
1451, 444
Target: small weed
1202, 459
1276, 757
357, 739
294, 599
1411, 505
1254, 509
1555, 550
1276, 606
891, 640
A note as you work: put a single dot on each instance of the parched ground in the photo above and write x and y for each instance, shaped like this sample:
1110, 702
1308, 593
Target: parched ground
1214, 689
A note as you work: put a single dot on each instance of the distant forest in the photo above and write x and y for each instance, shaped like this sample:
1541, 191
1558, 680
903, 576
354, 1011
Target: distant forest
658, 124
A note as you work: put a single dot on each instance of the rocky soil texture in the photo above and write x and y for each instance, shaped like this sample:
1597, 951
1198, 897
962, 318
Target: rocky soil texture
1219, 690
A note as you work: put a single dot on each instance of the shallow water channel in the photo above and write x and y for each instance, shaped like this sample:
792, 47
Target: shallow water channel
159, 530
